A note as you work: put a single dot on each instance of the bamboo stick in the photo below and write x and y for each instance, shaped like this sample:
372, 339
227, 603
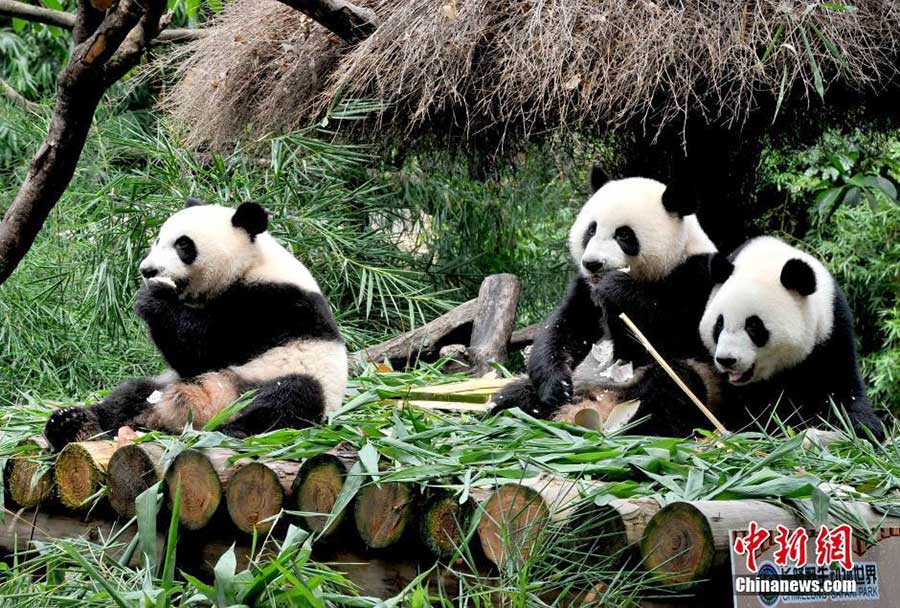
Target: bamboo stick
668, 369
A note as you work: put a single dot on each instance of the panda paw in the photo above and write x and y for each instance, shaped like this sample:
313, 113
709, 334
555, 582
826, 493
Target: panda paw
70, 424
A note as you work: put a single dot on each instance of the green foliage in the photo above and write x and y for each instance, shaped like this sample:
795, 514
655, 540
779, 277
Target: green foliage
513, 217
66, 324
826, 183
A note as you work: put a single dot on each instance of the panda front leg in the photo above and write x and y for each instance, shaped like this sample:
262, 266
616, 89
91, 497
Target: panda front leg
295, 401
79, 423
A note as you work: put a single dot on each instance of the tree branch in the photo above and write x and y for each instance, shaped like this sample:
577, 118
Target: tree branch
352, 23
38, 14
17, 98
109, 48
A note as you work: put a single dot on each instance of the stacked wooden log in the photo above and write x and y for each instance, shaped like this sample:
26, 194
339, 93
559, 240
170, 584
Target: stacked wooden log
218, 485
682, 544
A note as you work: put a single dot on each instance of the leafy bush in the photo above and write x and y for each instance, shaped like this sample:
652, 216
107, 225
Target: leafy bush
859, 243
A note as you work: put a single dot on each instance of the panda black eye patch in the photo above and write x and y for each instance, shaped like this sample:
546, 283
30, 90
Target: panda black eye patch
186, 249
589, 234
627, 240
717, 328
757, 331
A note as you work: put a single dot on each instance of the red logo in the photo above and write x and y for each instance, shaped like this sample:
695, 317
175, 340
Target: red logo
747, 545
791, 546
833, 546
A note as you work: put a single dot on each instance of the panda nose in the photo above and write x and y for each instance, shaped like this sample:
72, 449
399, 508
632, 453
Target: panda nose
726, 362
592, 265
149, 272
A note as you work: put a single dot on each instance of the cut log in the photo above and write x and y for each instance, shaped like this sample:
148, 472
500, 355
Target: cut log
620, 524
201, 475
495, 317
29, 481
133, 468
423, 341
685, 540
384, 512
81, 471
443, 524
255, 493
317, 487
515, 516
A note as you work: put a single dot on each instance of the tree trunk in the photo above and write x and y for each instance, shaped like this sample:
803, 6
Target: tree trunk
255, 493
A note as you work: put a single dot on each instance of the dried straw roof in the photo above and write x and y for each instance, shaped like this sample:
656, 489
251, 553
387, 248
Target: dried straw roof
527, 65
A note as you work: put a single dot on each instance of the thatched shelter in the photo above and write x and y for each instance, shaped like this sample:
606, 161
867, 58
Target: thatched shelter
524, 66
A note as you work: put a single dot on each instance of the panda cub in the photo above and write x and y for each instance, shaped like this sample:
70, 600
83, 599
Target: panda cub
640, 250
778, 325
230, 310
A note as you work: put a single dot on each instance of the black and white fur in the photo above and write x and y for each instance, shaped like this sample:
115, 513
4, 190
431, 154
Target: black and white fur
230, 310
778, 325
639, 250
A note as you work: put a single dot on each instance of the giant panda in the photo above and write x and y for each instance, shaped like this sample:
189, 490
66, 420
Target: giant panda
640, 250
230, 309
778, 327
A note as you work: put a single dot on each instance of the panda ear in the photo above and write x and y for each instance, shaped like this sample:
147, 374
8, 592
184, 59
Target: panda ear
720, 268
598, 178
192, 202
680, 199
798, 276
251, 217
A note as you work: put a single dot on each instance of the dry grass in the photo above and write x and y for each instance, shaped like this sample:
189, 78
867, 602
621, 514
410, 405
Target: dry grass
530, 64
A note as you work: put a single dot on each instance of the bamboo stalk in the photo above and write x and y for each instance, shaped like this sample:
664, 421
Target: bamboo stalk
81, 471
668, 369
